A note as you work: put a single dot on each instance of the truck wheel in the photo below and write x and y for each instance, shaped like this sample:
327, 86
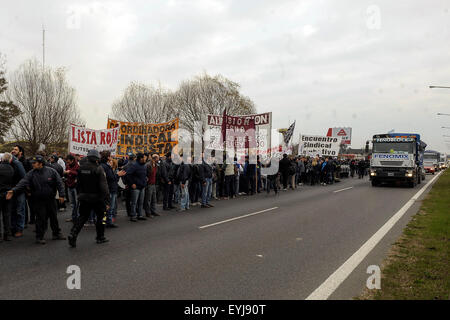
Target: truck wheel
375, 183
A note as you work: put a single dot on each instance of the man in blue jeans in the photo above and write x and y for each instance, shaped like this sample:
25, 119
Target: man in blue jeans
206, 174
137, 181
71, 174
18, 202
184, 176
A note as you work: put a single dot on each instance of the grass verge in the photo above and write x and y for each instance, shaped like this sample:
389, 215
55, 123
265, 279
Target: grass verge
418, 264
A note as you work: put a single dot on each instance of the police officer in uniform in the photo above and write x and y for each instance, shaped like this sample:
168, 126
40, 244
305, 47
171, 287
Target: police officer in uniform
93, 194
43, 182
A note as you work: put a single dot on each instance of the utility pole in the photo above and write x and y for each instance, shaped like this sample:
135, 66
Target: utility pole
43, 48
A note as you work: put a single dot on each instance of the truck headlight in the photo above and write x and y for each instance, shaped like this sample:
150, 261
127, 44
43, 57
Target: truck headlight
373, 173
409, 173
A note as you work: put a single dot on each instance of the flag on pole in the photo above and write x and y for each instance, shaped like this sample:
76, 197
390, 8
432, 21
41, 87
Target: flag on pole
224, 126
289, 133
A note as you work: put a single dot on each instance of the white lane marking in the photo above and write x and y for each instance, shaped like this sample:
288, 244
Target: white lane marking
343, 189
336, 279
240, 217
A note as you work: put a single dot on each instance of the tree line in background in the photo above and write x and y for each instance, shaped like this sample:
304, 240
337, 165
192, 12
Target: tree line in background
191, 102
37, 104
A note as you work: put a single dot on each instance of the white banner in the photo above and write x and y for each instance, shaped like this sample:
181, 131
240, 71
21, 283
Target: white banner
263, 128
344, 133
82, 139
311, 145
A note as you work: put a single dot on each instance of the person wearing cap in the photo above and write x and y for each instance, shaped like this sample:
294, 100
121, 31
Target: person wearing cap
137, 181
93, 195
42, 182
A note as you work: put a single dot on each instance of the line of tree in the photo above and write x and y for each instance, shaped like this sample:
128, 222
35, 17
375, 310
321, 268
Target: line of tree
192, 101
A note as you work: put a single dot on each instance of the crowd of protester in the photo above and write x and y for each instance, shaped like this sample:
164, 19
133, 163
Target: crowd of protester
33, 190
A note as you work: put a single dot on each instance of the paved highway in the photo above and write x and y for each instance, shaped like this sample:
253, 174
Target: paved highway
260, 247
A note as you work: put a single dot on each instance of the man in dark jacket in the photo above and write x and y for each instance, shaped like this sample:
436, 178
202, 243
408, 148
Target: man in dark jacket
131, 158
19, 203
112, 179
184, 175
137, 181
53, 162
285, 164
6, 183
93, 195
167, 182
43, 182
19, 152
206, 174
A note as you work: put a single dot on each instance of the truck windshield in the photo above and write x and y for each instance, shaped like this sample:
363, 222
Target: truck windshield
430, 156
393, 147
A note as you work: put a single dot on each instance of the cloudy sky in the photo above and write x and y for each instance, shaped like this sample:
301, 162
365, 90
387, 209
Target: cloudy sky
362, 64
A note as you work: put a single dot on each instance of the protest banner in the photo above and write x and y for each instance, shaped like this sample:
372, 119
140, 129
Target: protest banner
141, 137
82, 139
261, 123
312, 145
344, 133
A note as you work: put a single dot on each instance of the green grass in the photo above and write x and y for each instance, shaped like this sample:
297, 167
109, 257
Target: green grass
418, 264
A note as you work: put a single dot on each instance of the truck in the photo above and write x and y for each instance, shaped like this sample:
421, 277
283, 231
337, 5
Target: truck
443, 162
431, 160
397, 157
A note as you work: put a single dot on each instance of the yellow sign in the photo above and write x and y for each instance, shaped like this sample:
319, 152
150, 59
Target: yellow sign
135, 137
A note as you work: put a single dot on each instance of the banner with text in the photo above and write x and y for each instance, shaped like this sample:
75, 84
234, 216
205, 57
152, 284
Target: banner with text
138, 137
82, 139
262, 124
311, 145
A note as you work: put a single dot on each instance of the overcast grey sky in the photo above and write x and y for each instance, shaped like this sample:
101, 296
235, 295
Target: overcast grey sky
362, 64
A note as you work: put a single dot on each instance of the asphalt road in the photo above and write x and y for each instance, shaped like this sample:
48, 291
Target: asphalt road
283, 253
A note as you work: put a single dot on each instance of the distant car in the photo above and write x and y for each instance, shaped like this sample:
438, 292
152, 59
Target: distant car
430, 169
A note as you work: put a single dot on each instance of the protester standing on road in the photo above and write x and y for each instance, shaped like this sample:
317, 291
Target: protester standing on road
112, 179
43, 183
6, 183
166, 182
19, 203
206, 183
184, 176
153, 176
137, 181
93, 196
71, 174
285, 164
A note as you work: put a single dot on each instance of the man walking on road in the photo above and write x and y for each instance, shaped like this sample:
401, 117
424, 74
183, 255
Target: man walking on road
43, 182
93, 195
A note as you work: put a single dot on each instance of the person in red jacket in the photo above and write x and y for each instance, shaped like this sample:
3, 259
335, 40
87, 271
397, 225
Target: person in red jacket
71, 174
